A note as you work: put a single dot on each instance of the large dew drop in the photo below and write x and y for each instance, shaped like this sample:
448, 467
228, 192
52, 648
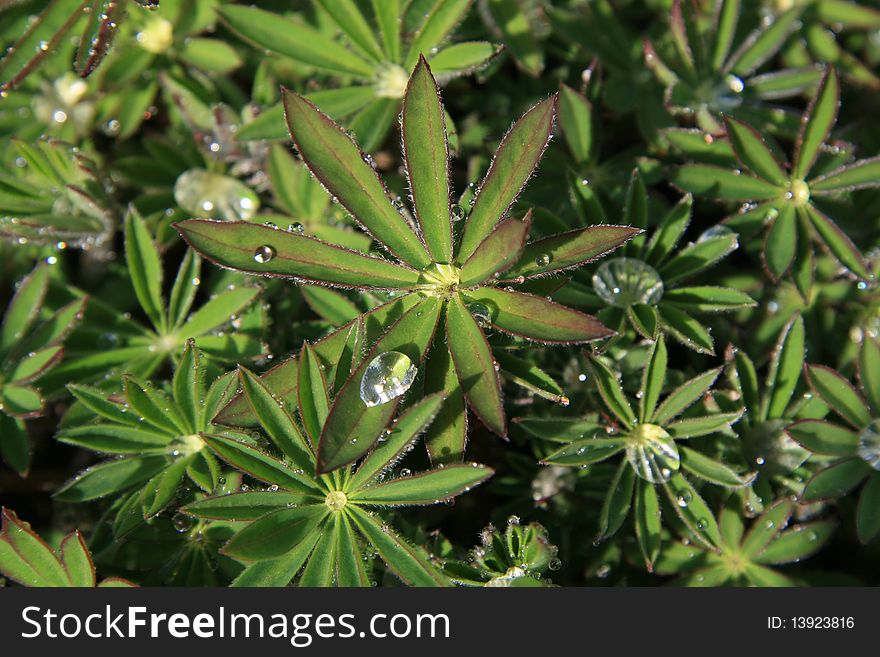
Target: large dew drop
869, 444
387, 377
652, 453
206, 194
624, 282
481, 314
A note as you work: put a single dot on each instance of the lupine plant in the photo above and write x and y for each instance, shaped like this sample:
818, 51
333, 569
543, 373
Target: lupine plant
292, 298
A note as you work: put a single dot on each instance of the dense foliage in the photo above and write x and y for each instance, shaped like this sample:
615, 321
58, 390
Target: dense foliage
440, 292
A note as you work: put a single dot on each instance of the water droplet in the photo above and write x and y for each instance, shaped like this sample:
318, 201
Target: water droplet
735, 84
457, 213
481, 314
181, 522
555, 564
405, 472
684, 498
264, 254
543, 260
513, 521
716, 231
623, 282
652, 453
296, 227
204, 193
387, 377
869, 444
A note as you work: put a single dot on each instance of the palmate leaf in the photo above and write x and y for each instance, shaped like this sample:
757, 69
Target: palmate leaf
426, 487
498, 252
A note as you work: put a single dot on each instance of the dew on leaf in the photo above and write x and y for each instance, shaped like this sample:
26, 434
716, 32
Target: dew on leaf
387, 377
623, 282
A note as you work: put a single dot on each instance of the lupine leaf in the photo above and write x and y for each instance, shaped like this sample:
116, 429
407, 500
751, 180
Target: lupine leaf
838, 243
244, 245
513, 164
797, 543
617, 502
695, 513
349, 416
536, 318
711, 470
823, 437
426, 487
498, 252
275, 533
785, 368
337, 162
869, 371
648, 522
861, 174
683, 396
144, 267
715, 182
314, 403
839, 394
475, 366
766, 528
248, 505
423, 131
868, 510
820, 117
612, 393
836, 480
752, 151
653, 380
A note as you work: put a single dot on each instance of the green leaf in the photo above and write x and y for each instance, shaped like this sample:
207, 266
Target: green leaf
278, 572
268, 251
576, 122
515, 28
189, 386
780, 245
329, 305
753, 152
277, 421
77, 560
314, 403
498, 252
763, 43
836, 480
568, 250
475, 366
403, 433
838, 243
388, 17
693, 427
110, 477
617, 502
645, 319
821, 437
350, 418
868, 510
337, 162
24, 307
861, 174
439, 21
144, 267
409, 563
351, 21
683, 396
869, 371
686, 329
21, 401
816, 125
25, 557
513, 164
797, 543
716, 182
115, 439
653, 379
531, 377
259, 465
785, 369
667, 235
350, 570
708, 299
693, 511
276, 533
711, 470
35, 364
96, 401
536, 318
218, 310
292, 39
321, 565
445, 439
186, 285
431, 487
648, 522
243, 506
697, 257
153, 406
766, 528
161, 489
839, 394
585, 452
425, 149
462, 58
612, 392
726, 18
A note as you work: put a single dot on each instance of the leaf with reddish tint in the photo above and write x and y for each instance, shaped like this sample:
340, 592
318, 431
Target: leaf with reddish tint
497, 252
339, 164
264, 250
423, 130
475, 366
820, 117
571, 249
352, 427
513, 164
536, 318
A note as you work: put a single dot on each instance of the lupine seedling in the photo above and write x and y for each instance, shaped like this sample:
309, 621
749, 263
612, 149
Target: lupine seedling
788, 198
30, 346
463, 286
653, 456
851, 450
317, 522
